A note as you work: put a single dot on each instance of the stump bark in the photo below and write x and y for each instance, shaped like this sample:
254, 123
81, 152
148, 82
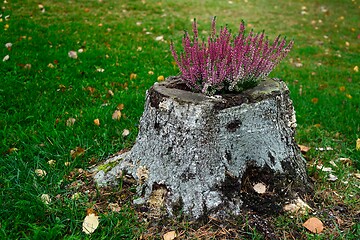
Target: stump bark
204, 155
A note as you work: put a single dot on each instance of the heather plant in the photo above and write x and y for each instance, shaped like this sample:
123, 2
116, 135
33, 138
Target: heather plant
225, 62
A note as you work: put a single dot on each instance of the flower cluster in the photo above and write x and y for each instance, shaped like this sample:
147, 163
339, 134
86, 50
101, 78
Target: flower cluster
226, 62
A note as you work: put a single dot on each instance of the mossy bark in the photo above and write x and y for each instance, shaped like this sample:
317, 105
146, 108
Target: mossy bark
207, 153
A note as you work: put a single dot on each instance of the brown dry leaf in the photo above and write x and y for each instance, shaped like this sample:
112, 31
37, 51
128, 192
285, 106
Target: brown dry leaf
358, 144
70, 122
357, 175
170, 235
77, 152
97, 122
304, 148
116, 115
315, 100
314, 225
120, 106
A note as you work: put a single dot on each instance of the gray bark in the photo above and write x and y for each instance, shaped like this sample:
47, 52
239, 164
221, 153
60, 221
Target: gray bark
206, 154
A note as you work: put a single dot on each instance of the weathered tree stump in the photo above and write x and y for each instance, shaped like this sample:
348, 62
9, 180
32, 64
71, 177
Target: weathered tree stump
204, 155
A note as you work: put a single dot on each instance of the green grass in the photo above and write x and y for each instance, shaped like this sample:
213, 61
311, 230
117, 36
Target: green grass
119, 37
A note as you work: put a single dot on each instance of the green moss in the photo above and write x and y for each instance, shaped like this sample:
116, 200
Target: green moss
108, 166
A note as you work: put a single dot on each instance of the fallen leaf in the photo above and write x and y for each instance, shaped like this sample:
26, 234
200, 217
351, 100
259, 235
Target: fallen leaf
40, 172
332, 178
51, 162
342, 89
297, 206
358, 144
70, 122
133, 76
111, 93
324, 169
170, 235
346, 161
73, 54
333, 163
314, 225
315, 100
348, 96
27, 66
114, 207
125, 133
324, 149
97, 122
259, 188
356, 69
7, 57
67, 164
160, 78
159, 38
8, 45
50, 65
116, 115
303, 148
120, 106
357, 175
77, 152
100, 69
90, 223
151, 73
45, 198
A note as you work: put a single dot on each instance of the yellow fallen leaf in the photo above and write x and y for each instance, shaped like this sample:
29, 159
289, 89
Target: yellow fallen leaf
170, 235
91, 222
356, 69
357, 175
133, 76
348, 96
342, 89
314, 225
160, 78
97, 122
358, 144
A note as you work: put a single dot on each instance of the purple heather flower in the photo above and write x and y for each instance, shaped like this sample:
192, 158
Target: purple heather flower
226, 62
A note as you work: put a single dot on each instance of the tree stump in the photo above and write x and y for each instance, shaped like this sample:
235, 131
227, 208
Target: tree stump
204, 155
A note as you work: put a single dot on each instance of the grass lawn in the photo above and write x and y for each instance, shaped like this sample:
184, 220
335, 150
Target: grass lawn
49, 101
